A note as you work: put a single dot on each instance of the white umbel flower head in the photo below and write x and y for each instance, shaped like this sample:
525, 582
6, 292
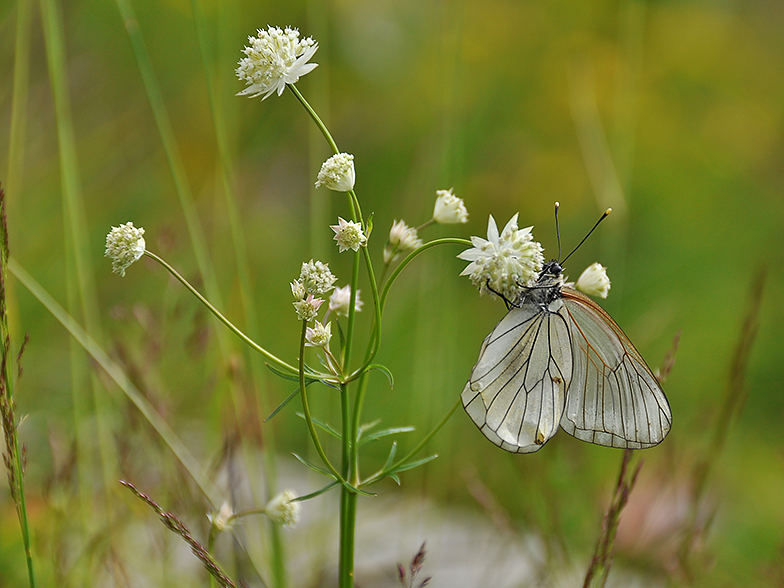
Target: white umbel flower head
307, 308
337, 173
402, 238
349, 235
124, 245
503, 263
222, 520
318, 335
449, 209
316, 278
282, 511
340, 300
594, 281
273, 59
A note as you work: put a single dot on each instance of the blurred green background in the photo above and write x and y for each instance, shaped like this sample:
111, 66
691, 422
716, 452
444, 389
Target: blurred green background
670, 112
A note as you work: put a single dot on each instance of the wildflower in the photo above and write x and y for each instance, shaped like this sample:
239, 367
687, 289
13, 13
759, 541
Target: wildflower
503, 263
282, 510
222, 520
124, 245
273, 59
401, 238
319, 335
307, 308
337, 173
449, 209
594, 281
349, 235
341, 298
298, 290
316, 278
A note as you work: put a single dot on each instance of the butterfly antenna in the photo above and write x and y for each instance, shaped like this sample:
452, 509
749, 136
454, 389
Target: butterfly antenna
604, 216
558, 232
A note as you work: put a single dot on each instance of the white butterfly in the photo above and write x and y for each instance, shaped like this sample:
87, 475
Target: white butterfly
557, 358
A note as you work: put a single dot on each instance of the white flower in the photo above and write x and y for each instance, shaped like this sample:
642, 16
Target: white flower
341, 298
124, 245
307, 309
594, 281
337, 173
282, 511
349, 235
316, 278
273, 59
449, 209
222, 520
318, 335
401, 238
503, 263
298, 290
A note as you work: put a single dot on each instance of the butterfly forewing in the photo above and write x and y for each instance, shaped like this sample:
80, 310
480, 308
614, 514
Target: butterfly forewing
517, 389
614, 399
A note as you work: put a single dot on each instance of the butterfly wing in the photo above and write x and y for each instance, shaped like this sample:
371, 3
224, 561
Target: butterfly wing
517, 389
614, 399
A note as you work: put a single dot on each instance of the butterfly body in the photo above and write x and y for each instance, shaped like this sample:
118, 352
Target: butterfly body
558, 359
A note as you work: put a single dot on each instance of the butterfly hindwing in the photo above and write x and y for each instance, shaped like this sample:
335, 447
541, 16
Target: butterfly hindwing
517, 389
614, 399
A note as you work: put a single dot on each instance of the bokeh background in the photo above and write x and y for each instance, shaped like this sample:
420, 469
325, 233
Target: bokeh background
669, 111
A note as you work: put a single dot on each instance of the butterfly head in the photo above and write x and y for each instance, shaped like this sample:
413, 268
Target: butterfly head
551, 275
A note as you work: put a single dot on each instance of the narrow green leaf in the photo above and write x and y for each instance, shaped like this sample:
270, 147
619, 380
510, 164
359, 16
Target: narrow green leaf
385, 370
321, 424
385, 433
341, 337
413, 464
326, 488
395, 478
391, 458
284, 403
369, 225
294, 376
366, 427
313, 467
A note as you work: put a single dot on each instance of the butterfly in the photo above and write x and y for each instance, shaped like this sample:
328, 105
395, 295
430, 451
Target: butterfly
558, 359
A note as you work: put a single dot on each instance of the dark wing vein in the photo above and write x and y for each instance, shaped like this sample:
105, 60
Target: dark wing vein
614, 398
516, 391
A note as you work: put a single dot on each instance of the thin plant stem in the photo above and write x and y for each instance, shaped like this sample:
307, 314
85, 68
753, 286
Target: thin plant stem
352, 312
246, 292
382, 473
306, 409
219, 316
379, 303
599, 569
121, 379
19, 100
348, 519
411, 256
80, 281
319, 123
13, 457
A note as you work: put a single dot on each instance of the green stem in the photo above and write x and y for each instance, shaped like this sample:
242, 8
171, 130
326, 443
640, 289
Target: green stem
348, 518
115, 373
381, 300
219, 316
381, 474
210, 550
306, 409
393, 276
319, 123
351, 314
